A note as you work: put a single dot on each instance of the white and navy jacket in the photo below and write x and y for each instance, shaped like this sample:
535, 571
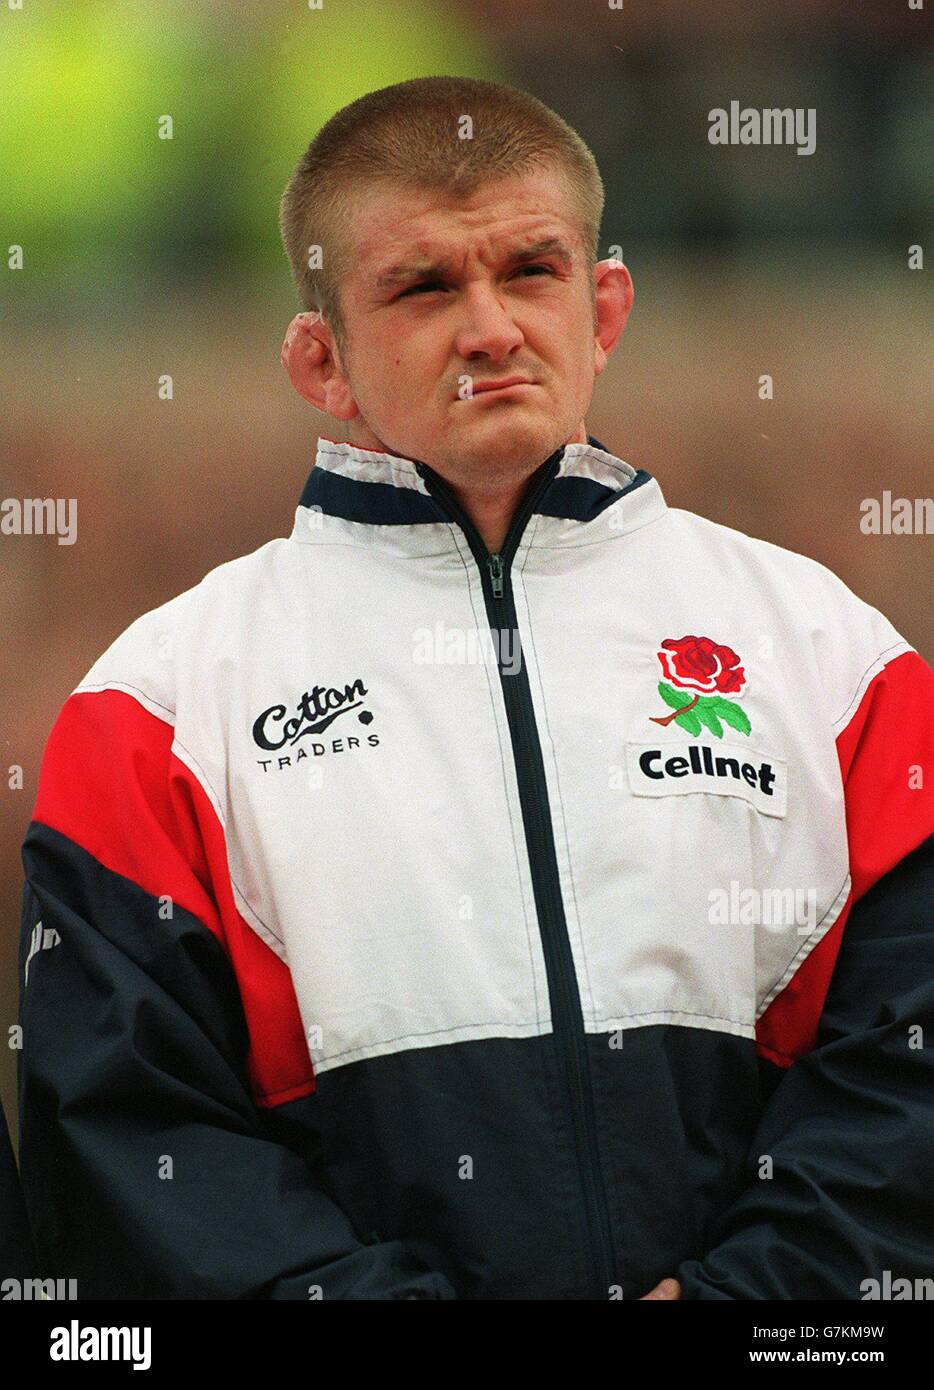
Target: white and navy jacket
407, 921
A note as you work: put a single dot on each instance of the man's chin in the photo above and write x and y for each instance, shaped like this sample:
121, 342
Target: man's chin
511, 439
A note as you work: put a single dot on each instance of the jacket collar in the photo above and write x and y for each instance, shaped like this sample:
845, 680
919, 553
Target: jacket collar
383, 499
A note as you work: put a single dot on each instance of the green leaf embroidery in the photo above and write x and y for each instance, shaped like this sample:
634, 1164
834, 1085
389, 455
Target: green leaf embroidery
706, 713
689, 721
675, 698
731, 714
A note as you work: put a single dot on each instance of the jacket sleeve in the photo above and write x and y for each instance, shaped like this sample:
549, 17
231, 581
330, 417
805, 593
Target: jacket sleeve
159, 1033
17, 1258
849, 1126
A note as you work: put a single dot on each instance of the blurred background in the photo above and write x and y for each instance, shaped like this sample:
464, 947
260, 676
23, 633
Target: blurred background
144, 256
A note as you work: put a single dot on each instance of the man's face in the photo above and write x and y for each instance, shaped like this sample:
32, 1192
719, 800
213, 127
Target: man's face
444, 295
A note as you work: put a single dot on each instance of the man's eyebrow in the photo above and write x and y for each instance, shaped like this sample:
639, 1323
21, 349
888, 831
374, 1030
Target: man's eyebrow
550, 246
424, 270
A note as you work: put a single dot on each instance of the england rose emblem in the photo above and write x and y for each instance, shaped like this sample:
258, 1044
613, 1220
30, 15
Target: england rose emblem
699, 674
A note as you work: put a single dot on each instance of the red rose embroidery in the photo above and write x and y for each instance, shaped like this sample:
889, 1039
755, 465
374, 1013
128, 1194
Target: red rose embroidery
699, 674
697, 663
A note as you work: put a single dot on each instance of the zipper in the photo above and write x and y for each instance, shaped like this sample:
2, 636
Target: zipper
564, 994
495, 565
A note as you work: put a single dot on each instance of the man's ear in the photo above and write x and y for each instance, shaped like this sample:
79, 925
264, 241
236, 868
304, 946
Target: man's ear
312, 360
614, 296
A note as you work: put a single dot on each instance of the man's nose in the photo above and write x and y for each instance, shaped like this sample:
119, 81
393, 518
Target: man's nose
486, 327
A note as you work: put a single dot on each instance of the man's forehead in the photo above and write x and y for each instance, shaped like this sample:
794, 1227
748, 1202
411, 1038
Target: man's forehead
400, 229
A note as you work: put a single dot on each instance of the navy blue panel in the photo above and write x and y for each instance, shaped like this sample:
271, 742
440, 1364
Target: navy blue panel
387, 504
581, 499
383, 504
463, 1153
17, 1259
465, 1148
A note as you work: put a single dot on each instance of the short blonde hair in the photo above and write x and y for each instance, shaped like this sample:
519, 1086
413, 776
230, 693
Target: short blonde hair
407, 134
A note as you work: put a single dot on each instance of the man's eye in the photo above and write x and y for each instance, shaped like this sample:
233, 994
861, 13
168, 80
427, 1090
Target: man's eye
429, 285
422, 285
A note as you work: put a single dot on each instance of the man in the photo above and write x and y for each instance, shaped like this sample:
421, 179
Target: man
506, 886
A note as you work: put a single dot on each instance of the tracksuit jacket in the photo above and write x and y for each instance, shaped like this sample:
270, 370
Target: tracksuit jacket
17, 1257
404, 920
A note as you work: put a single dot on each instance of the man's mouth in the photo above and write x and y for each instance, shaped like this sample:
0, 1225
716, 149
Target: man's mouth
502, 384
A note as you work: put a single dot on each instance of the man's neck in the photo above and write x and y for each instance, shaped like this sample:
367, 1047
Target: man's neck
492, 512
491, 506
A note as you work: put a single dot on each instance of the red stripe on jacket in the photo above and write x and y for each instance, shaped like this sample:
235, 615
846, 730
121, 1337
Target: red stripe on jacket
110, 782
890, 733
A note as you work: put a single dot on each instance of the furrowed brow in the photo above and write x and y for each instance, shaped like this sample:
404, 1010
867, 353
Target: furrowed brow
550, 246
399, 274
431, 270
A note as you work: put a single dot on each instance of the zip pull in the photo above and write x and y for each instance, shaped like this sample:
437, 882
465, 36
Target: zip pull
496, 574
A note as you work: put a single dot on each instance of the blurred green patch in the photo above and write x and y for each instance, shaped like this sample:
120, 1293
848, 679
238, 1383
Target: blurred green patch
87, 182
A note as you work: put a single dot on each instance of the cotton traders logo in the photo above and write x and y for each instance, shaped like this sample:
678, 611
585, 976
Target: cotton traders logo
700, 674
276, 729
